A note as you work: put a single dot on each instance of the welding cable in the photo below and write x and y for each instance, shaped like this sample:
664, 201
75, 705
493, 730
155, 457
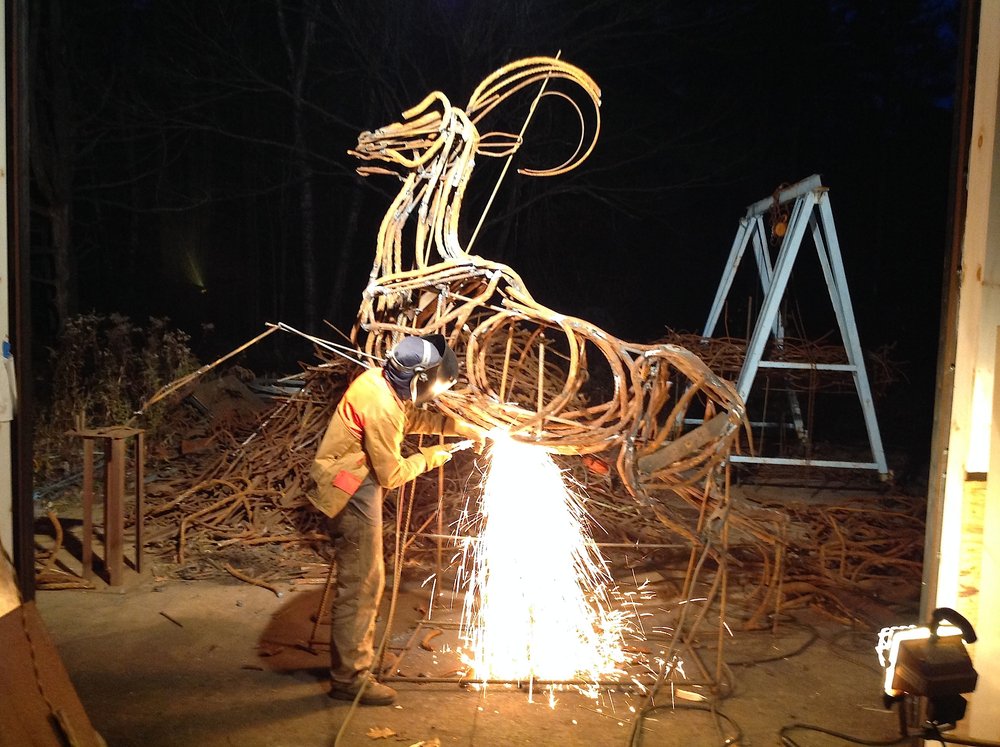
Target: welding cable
787, 741
812, 637
904, 733
841, 651
635, 738
932, 732
717, 715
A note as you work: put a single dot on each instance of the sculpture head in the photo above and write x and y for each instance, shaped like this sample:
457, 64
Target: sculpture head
433, 127
411, 142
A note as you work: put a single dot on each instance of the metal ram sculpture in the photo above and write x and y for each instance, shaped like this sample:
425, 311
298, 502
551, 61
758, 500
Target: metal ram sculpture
530, 369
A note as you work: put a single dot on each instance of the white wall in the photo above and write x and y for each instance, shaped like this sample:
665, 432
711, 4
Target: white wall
6, 496
984, 716
978, 311
973, 428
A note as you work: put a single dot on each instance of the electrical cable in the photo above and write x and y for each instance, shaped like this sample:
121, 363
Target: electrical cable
904, 733
727, 686
932, 732
718, 716
787, 741
813, 636
841, 651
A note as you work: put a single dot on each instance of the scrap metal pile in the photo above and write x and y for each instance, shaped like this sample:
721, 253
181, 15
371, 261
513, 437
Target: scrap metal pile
725, 356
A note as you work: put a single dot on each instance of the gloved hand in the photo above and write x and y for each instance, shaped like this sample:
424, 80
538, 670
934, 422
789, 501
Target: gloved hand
469, 430
435, 456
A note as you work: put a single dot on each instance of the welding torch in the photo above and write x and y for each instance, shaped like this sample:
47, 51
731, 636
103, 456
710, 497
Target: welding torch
461, 445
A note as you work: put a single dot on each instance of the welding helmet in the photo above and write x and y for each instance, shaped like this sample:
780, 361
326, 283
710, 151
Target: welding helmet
421, 368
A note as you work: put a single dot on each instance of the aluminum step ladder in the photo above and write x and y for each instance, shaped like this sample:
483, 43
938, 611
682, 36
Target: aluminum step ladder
810, 212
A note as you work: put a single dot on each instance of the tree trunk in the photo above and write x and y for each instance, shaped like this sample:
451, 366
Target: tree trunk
59, 215
52, 156
343, 265
298, 62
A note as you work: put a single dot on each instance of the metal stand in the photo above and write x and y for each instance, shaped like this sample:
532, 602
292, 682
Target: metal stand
114, 439
811, 211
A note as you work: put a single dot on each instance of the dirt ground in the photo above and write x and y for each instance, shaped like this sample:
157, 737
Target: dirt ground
160, 661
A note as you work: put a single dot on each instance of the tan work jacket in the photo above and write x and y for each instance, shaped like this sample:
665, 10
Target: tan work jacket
365, 436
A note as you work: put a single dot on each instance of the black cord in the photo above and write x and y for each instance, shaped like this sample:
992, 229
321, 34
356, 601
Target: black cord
838, 649
813, 636
789, 742
904, 731
716, 713
932, 732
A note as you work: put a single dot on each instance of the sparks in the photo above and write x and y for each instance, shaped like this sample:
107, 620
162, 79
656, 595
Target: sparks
537, 600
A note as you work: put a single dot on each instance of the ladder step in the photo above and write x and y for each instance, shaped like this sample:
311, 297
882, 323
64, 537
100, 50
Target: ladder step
808, 366
837, 464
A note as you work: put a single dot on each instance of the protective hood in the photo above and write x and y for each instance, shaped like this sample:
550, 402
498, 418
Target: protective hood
421, 368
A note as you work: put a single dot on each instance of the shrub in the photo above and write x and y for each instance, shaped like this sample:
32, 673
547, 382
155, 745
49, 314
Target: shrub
101, 371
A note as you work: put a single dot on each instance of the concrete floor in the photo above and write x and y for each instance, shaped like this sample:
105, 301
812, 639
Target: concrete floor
168, 662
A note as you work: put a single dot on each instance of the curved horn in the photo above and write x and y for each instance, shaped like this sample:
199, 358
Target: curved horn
518, 75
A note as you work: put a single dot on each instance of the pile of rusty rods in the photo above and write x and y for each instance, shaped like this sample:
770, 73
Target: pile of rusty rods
254, 491
725, 356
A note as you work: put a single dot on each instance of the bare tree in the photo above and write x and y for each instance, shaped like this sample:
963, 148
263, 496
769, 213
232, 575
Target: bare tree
53, 159
297, 52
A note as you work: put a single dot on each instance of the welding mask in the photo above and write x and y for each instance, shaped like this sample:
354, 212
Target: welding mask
421, 368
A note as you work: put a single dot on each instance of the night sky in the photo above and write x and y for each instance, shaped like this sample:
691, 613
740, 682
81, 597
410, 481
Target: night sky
163, 136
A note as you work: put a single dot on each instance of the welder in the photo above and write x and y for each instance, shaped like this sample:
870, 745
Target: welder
359, 457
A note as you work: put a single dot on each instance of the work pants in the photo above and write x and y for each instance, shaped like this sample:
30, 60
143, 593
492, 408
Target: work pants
357, 542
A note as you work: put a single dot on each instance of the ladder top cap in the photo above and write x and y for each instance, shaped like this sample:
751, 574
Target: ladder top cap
812, 184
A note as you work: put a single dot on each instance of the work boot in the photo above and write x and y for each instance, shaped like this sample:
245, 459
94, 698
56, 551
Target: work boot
375, 693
